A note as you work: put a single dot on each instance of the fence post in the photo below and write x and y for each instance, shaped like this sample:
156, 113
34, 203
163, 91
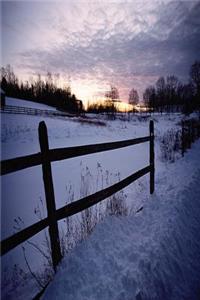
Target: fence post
50, 198
151, 156
182, 138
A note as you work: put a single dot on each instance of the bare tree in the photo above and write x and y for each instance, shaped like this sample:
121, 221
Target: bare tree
195, 74
172, 84
195, 80
161, 93
149, 97
133, 97
113, 94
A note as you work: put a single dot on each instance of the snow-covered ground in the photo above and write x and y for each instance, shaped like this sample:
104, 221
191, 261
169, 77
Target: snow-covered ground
154, 254
137, 247
30, 104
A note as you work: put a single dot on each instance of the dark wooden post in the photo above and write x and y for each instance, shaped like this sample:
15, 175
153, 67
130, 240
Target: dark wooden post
151, 156
49, 193
182, 138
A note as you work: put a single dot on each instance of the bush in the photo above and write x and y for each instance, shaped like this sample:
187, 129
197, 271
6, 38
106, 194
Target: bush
170, 145
176, 142
116, 205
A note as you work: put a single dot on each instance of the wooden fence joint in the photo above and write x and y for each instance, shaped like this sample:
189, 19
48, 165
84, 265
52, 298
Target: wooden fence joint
49, 193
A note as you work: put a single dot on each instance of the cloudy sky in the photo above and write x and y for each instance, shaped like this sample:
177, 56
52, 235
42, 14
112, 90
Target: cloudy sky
93, 44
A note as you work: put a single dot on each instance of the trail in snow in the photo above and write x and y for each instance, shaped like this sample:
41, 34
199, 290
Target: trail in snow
152, 255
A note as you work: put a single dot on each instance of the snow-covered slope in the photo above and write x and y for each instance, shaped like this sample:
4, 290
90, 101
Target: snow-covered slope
154, 254
30, 104
23, 191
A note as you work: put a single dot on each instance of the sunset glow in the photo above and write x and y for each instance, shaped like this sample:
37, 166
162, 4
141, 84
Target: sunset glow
126, 44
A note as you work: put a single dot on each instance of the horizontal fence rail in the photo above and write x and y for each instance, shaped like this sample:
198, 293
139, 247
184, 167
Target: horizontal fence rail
44, 158
20, 163
70, 210
70, 152
80, 205
23, 235
11, 109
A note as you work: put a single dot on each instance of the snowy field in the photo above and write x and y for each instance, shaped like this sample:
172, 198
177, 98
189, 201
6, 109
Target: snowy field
136, 257
29, 104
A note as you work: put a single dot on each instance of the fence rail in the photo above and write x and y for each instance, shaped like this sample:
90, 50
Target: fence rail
11, 109
44, 158
20, 163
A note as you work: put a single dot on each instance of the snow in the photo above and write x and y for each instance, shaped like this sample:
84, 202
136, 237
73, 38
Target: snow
141, 250
30, 104
154, 254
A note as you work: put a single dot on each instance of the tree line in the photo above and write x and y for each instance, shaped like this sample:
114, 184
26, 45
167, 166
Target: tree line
170, 95
41, 90
167, 95
109, 105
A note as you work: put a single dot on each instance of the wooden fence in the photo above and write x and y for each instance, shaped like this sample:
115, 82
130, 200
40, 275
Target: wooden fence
44, 158
11, 109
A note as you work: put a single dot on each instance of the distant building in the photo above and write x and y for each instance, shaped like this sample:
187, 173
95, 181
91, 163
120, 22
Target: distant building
2, 99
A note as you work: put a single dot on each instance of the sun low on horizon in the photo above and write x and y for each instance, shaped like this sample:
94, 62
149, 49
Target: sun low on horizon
117, 43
